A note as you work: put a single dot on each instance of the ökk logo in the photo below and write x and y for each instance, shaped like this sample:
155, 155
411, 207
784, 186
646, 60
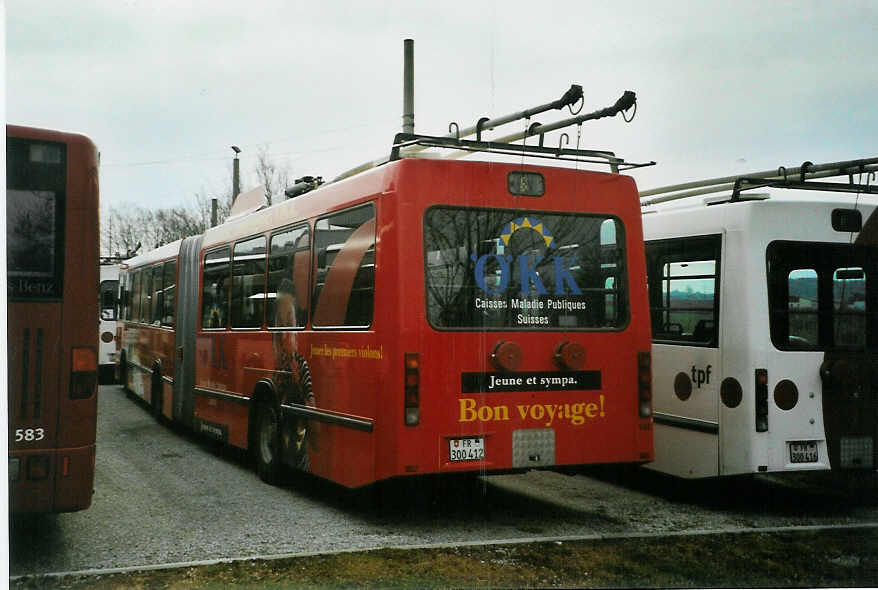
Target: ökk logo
527, 264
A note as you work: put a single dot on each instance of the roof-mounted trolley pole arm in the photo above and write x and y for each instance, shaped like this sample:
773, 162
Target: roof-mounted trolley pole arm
568, 99
624, 103
727, 183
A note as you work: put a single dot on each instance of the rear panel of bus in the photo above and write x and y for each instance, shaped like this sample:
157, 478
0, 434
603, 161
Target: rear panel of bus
52, 335
765, 332
522, 320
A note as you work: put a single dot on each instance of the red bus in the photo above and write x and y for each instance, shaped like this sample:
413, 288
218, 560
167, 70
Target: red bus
426, 316
52, 277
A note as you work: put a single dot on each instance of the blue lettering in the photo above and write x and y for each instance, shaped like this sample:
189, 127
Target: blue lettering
563, 276
503, 261
529, 275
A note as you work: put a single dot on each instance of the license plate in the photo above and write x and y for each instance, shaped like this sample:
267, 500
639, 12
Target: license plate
803, 452
466, 449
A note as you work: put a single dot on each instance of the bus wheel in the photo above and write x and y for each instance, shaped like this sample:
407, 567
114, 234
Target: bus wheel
123, 373
268, 459
156, 396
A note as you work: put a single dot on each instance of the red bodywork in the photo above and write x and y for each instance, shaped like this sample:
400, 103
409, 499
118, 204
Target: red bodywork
52, 435
359, 374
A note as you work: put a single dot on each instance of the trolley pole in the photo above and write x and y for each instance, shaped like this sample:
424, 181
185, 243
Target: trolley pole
408, 86
236, 174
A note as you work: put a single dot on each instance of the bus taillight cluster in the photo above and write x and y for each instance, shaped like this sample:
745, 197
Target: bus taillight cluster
644, 380
412, 389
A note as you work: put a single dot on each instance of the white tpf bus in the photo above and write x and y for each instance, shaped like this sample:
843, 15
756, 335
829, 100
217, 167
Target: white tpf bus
764, 313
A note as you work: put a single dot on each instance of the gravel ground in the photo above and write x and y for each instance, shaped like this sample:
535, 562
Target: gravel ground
164, 496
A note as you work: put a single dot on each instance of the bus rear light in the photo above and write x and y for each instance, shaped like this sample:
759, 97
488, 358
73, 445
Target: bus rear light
506, 356
84, 373
644, 384
38, 467
569, 356
761, 378
106, 337
84, 359
786, 394
412, 394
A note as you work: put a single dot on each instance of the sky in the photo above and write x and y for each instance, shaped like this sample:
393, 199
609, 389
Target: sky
164, 88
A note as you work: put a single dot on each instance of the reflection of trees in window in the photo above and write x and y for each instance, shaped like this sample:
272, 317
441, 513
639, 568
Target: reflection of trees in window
30, 233
518, 256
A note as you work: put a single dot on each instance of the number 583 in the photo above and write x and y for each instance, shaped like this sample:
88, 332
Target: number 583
29, 434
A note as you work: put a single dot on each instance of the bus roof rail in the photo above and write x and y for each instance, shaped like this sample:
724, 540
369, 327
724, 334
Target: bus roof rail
807, 171
403, 141
743, 184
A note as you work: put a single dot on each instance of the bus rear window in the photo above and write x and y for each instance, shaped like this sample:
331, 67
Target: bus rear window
524, 270
820, 295
35, 190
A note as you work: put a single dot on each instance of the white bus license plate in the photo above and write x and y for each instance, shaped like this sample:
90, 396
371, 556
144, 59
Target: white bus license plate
466, 449
803, 452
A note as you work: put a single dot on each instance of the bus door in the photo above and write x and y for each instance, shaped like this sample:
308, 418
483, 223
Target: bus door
821, 300
686, 358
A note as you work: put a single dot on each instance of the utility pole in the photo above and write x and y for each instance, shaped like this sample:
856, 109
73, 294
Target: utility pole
236, 174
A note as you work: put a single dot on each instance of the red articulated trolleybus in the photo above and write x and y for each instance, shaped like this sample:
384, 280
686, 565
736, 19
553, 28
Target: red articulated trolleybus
423, 316
52, 333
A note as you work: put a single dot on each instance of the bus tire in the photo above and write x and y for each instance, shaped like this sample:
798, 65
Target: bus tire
268, 457
123, 372
156, 395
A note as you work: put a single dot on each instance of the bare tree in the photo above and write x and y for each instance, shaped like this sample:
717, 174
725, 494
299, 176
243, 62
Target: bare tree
124, 228
271, 175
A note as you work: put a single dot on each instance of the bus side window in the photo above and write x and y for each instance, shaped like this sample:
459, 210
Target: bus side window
158, 303
169, 272
215, 290
344, 282
146, 295
683, 279
289, 267
134, 309
108, 299
122, 301
248, 283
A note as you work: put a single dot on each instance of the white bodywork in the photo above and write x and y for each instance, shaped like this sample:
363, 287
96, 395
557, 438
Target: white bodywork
701, 436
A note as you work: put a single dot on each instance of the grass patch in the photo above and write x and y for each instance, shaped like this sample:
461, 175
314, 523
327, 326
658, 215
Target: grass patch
846, 558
